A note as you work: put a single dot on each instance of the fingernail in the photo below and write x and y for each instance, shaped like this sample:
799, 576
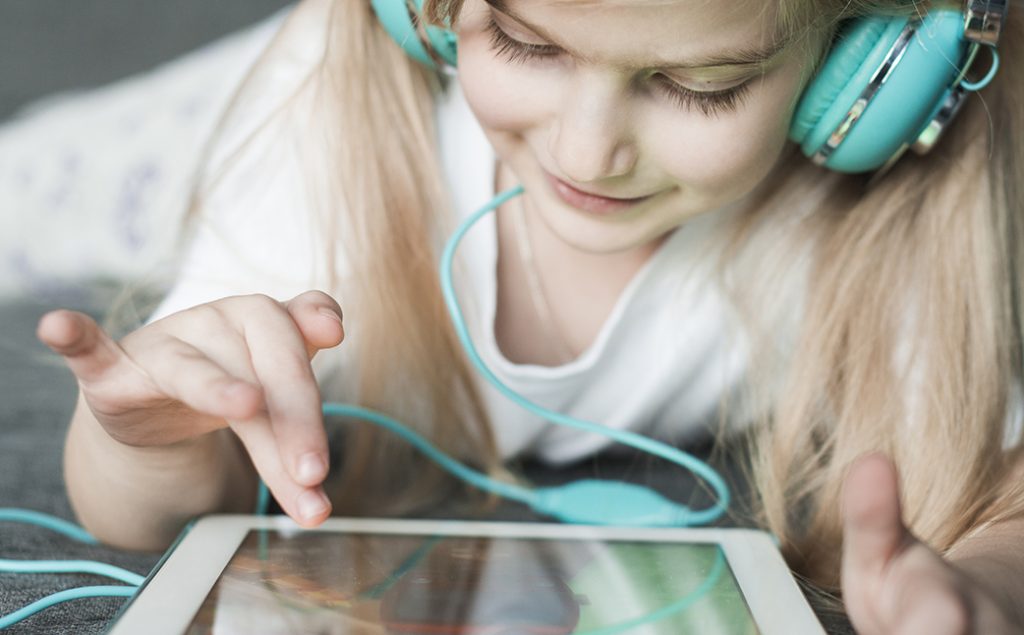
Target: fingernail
312, 503
331, 314
311, 468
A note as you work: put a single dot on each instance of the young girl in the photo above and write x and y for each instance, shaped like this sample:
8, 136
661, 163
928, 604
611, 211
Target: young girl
673, 261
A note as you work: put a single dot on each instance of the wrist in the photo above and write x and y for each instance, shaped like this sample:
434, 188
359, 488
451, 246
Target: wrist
139, 497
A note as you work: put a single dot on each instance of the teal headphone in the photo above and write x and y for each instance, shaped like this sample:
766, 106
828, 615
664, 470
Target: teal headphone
888, 84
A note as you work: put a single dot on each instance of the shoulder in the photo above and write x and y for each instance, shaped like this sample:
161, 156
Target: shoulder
275, 79
257, 223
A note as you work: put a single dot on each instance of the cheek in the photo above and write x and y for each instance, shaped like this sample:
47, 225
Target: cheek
729, 154
713, 155
503, 97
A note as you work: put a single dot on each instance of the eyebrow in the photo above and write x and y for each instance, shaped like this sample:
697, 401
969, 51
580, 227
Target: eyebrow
742, 57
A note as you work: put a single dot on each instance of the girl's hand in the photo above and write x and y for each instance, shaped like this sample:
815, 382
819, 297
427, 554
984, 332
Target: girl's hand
893, 582
242, 362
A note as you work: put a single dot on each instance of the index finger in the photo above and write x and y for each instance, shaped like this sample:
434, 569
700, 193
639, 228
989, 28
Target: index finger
282, 367
309, 506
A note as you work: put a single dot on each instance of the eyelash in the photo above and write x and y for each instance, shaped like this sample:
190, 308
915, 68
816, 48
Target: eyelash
710, 103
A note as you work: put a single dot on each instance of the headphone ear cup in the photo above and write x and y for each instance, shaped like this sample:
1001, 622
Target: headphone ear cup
394, 17
856, 51
919, 78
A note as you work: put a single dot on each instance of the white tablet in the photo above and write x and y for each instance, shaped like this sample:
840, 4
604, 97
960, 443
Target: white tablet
263, 575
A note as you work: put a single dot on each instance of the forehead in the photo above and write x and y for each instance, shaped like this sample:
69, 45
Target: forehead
661, 32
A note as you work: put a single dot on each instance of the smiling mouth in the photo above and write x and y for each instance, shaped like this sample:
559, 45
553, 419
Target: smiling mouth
588, 202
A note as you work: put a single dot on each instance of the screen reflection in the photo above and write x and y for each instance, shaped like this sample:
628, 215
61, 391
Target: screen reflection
334, 583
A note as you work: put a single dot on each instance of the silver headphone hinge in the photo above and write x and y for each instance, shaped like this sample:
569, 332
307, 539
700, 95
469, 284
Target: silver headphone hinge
983, 20
928, 137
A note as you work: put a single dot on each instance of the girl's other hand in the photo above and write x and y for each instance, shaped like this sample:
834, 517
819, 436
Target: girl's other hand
893, 582
241, 361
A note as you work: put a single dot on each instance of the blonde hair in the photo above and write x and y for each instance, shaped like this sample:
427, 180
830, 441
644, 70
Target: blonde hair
910, 329
910, 332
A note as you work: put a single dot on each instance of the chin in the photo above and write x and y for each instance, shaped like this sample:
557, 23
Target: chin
595, 237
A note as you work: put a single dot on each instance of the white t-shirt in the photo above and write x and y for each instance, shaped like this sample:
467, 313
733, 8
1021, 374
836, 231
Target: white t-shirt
660, 364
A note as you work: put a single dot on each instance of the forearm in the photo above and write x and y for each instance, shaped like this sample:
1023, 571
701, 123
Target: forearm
141, 497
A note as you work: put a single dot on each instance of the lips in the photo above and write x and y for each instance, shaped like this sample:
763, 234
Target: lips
588, 202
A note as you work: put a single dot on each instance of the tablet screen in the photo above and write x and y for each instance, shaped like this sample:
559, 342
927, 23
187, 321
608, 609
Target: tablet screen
332, 582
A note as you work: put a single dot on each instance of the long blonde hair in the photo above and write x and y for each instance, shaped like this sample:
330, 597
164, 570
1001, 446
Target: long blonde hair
910, 331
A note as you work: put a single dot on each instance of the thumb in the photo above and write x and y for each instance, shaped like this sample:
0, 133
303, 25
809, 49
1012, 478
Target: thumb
319, 318
873, 523
86, 348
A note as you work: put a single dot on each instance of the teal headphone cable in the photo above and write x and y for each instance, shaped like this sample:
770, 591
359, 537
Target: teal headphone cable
59, 525
75, 532
65, 596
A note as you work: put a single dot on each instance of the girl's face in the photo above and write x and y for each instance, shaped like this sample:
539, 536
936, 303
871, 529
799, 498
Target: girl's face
685, 103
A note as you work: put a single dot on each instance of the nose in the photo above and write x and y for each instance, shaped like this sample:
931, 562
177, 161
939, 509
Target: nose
591, 137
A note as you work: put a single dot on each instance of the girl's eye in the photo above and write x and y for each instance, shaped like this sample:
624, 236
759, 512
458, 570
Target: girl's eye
710, 103
514, 51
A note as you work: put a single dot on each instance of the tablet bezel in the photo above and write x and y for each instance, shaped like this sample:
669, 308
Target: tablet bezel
175, 589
